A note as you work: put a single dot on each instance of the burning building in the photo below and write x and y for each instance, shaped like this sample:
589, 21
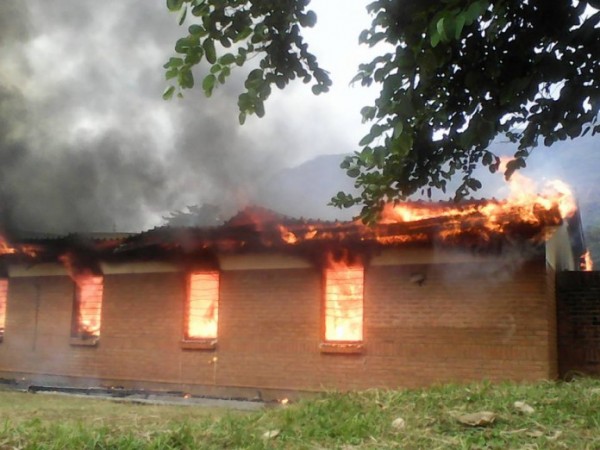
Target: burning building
431, 293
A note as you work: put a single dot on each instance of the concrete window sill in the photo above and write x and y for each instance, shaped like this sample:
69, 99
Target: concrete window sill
85, 342
344, 348
199, 344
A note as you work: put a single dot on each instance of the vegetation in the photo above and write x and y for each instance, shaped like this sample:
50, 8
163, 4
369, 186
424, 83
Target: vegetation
461, 73
564, 415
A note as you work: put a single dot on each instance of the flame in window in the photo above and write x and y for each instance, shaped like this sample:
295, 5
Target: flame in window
88, 306
344, 303
3, 297
586, 262
203, 305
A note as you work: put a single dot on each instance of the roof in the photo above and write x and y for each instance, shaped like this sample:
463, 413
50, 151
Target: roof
482, 225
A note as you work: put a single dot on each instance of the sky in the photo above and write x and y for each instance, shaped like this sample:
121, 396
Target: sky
91, 146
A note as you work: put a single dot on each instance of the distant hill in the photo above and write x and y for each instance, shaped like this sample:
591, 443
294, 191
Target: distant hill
305, 190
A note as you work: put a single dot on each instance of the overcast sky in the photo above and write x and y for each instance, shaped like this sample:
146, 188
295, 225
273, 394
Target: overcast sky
92, 145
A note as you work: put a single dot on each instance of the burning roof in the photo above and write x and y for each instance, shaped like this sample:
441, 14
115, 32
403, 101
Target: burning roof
477, 223
483, 225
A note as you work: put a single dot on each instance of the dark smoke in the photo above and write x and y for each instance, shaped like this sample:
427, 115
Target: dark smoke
87, 143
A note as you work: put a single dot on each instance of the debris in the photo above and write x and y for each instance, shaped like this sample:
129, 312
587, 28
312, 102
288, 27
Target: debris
271, 434
399, 423
523, 407
535, 433
478, 419
519, 430
555, 435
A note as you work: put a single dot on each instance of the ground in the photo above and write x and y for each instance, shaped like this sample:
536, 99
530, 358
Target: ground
550, 415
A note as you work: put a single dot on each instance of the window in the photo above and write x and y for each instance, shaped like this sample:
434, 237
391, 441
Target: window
3, 297
202, 310
87, 308
344, 304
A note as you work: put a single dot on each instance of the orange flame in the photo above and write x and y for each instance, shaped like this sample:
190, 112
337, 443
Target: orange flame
88, 297
344, 285
586, 264
5, 247
8, 249
203, 305
287, 235
522, 201
89, 305
3, 297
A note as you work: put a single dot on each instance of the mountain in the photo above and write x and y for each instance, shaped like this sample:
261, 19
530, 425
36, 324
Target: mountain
305, 190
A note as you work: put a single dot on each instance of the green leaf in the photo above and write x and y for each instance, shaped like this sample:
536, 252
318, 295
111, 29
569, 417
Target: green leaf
368, 113
353, 172
403, 145
182, 16
487, 159
174, 62
459, 24
196, 30
435, 39
208, 84
171, 73
398, 130
186, 78
168, 93
242, 118
247, 31
244, 102
379, 155
194, 56
174, 5
260, 108
280, 82
255, 74
440, 28
200, 10
363, 37
474, 10
366, 140
182, 45
209, 50
227, 59
308, 20
473, 184
225, 42
366, 156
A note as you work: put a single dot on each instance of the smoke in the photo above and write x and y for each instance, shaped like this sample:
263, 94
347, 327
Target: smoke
88, 144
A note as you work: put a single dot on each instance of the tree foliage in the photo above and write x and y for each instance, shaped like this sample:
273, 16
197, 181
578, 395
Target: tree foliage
461, 73
241, 30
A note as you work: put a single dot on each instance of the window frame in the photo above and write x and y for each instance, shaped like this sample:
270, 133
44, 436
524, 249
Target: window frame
77, 335
341, 346
201, 342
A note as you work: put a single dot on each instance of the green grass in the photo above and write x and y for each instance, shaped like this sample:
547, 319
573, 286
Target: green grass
566, 416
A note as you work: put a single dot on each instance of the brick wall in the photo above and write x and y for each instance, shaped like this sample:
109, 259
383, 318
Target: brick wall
578, 297
467, 321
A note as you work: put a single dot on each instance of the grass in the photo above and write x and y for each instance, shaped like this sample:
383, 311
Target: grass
565, 416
